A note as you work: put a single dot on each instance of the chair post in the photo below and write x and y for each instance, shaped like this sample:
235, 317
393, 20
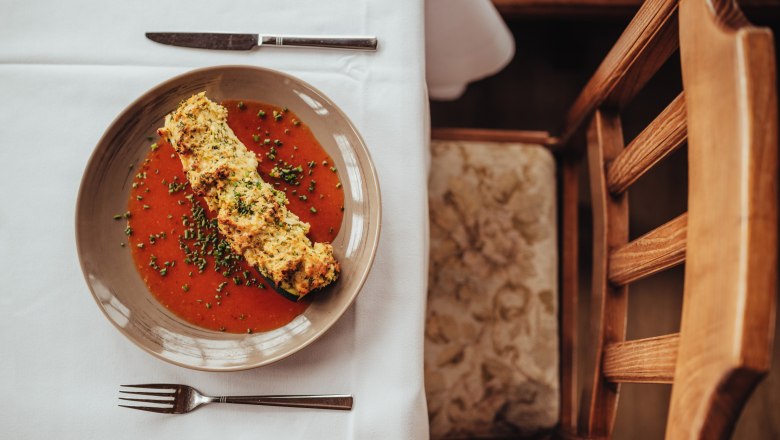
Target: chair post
569, 297
727, 324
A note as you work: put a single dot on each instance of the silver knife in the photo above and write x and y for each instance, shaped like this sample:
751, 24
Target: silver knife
226, 41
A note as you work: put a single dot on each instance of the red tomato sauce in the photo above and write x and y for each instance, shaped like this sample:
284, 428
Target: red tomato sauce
177, 249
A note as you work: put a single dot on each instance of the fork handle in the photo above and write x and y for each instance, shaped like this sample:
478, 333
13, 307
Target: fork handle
329, 401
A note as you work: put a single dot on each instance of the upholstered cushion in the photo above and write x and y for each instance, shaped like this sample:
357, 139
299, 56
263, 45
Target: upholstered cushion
491, 342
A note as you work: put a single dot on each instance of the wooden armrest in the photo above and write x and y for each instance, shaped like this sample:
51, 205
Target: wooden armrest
474, 134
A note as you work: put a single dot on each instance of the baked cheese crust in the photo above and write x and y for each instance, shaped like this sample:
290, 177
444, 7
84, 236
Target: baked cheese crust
251, 214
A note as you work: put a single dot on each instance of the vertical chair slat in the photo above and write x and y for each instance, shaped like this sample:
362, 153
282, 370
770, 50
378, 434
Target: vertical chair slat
610, 231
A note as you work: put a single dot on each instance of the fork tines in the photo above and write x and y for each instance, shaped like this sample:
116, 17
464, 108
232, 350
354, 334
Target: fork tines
166, 405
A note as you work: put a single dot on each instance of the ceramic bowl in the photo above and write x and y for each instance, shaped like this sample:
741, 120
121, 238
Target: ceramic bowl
109, 270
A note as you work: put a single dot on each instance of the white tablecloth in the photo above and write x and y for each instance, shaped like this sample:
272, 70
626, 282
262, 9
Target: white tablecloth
66, 70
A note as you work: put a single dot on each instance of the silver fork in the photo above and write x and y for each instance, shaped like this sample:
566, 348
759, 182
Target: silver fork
180, 399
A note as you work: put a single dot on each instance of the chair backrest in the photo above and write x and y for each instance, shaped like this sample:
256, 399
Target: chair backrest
727, 239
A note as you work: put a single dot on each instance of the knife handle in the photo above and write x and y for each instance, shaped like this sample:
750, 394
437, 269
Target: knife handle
359, 43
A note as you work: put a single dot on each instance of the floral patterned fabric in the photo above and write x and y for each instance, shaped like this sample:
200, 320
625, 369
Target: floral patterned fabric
491, 339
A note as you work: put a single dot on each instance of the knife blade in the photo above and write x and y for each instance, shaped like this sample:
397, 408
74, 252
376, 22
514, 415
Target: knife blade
230, 41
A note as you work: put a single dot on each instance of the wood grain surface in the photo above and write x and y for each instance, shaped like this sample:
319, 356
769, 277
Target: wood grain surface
650, 360
488, 135
658, 140
569, 297
610, 231
660, 249
727, 324
644, 46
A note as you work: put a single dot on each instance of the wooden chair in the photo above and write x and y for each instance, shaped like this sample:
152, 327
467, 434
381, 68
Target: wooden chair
727, 239
599, 8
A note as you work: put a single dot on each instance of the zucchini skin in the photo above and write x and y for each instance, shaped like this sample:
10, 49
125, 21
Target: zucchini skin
280, 290
286, 293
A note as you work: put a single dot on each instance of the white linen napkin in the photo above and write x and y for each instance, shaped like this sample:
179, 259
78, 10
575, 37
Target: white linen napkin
465, 40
